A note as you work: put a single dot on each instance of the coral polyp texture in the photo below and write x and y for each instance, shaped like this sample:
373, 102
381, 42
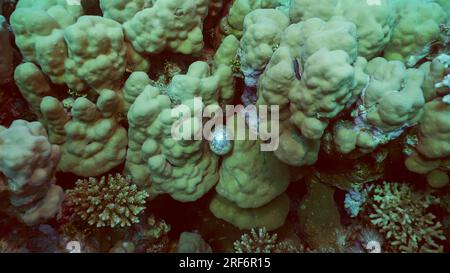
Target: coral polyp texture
180, 125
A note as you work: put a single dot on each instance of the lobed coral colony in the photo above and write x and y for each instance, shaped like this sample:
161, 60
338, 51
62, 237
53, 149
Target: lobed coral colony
344, 107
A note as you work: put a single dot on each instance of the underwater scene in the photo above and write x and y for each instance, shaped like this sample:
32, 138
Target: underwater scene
224, 126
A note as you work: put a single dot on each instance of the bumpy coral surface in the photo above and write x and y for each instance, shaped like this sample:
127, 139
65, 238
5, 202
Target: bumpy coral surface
432, 151
233, 23
391, 102
32, 84
39, 31
92, 140
28, 161
417, 28
121, 11
96, 53
172, 24
33, 21
250, 182
262, 35
271, 216
185, 169
200, 81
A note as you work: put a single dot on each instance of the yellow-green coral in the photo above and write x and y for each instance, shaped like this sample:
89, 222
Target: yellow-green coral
403, 217
108, 202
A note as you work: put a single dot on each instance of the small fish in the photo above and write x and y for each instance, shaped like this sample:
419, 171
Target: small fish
298, 69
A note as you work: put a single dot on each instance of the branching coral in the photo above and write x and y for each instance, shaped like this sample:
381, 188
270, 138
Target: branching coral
402, 216
271, 216
108, 202
259, 241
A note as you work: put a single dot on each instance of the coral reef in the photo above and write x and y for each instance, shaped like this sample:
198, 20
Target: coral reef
249, 116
